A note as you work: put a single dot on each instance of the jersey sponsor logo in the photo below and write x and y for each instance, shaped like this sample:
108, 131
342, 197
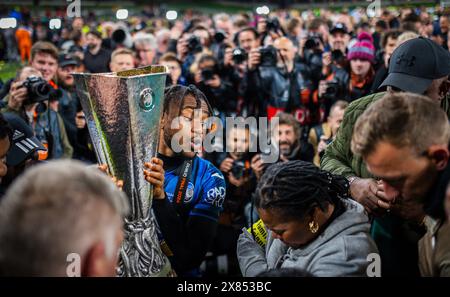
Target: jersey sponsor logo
217, 175
215, 196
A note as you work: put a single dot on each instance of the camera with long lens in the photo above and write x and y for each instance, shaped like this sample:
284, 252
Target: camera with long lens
268, 56
331, 91
237, 169
194, 45
239, 55
38, 90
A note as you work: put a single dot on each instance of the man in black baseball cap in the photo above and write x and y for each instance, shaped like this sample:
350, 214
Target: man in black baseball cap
67, 59
420, 66
339, 38
24, 145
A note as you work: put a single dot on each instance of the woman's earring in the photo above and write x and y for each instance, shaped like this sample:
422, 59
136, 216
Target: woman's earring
313, 227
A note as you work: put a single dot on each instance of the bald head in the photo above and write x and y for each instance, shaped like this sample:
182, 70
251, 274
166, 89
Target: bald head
286, 49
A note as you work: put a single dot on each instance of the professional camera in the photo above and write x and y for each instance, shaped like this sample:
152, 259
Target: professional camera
38, 90
313, 42
332, 90
239, 55
337, 56
208, 73
273, 24
268, 56
238, 169
194, 45
219, 36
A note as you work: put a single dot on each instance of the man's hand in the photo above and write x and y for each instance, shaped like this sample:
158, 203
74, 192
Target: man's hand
182, 49
237, 182
214, 82
155, 176
17, 95
226, 165
326, 63
228, 57
80, 120
322, 144
322, 88
254, 58
257, 165
370, 194
118, 182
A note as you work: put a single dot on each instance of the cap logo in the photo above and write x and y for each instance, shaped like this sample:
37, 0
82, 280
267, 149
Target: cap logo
406, 61
17, 135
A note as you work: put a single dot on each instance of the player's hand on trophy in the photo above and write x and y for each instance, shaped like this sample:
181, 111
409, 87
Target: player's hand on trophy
154, 174
117, 182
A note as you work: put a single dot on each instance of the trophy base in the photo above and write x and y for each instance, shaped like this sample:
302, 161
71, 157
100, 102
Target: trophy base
140, 254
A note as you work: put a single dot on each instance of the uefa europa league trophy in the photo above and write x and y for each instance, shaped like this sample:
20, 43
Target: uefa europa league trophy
122, 113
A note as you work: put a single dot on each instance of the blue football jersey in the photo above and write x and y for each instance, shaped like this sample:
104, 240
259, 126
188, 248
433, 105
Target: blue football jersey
205, 192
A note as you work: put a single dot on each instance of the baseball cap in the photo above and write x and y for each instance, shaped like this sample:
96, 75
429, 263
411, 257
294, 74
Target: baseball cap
24, 143
66, 59
339, 27
415, 64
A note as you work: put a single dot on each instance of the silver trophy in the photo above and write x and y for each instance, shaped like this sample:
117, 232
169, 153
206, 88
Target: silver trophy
122, 113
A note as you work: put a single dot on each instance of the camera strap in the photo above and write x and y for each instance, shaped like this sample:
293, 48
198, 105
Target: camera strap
184, 176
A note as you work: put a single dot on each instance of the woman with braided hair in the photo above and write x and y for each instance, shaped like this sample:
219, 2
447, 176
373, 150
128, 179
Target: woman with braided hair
311, 224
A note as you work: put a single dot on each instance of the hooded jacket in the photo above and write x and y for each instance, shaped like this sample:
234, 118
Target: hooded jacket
340, 250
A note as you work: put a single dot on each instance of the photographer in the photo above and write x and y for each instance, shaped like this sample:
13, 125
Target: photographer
32, 98
278, 82
235, 65
188, 48
17, 101
174, 78
354, 81
220, 92
321, 135
240, 182
291, 146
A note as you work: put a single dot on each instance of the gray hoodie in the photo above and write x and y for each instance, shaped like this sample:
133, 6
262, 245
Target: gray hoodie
340, 250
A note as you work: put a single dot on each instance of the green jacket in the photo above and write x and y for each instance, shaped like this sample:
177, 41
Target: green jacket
338, 157
396, 239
